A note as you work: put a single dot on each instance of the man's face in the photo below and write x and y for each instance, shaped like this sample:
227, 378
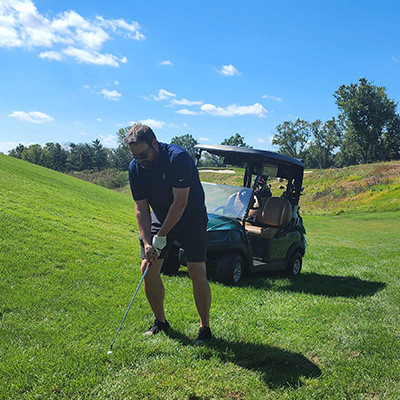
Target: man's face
146, 155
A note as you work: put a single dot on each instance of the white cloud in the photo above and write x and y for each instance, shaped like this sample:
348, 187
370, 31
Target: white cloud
91, 57
109, 141
68, 33
204, 139
229, 70
99, 120
166, 62
232, 110
112, 95
152, 123
185, 111
185, 102
36, 117
163, 95
116, 83
261, 140
120, 26
9, 37
267, 96
51, 55
5, 147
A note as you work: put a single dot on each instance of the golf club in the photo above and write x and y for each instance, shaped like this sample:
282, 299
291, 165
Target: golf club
126, 313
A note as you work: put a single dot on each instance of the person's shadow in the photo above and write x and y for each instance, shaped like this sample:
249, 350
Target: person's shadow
278, 368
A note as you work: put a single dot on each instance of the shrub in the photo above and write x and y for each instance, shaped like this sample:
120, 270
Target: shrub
110, 178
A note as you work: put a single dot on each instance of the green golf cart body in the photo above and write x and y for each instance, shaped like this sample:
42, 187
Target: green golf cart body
249, 228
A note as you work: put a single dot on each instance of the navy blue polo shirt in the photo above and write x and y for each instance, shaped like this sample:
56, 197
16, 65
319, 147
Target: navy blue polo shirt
175, 169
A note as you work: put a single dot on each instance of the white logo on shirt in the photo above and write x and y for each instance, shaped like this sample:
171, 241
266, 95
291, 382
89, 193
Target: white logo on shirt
181, 180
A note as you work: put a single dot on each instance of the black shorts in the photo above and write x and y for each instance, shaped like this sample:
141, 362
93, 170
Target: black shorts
192, 240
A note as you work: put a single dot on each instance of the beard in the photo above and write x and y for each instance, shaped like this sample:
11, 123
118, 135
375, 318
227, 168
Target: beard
147, 164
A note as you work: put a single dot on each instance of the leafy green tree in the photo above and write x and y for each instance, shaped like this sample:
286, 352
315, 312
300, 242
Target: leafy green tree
187, 142
100, 155
326, 138
391, 140
17, 152
81, 157
121, 134
32, 154
120, 158
236, 140
370, 121
292, 137
57, 155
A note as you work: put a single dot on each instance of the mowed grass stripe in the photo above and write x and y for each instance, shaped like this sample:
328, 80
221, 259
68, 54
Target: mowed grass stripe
69, 265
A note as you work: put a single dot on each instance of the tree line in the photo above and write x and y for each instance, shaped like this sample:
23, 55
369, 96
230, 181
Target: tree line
366, 130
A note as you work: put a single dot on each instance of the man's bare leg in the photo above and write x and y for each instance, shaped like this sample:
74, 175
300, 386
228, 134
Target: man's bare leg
201, 290
154, 288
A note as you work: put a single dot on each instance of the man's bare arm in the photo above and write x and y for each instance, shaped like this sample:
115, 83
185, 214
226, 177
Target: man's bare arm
144, 223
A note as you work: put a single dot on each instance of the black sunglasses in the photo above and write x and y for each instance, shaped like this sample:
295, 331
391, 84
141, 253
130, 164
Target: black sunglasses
143, 155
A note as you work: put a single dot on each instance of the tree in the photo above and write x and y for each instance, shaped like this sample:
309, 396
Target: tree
17, 152
326, 139
292, 137
370, 121
236, 140
100, 155
121, 134
32, 154
187, 142
120, 158
57, 156
81, 157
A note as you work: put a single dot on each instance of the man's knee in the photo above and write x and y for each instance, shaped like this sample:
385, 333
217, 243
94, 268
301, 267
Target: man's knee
197, 271
154, 268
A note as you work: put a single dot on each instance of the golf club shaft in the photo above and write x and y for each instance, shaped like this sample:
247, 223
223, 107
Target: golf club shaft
133, 298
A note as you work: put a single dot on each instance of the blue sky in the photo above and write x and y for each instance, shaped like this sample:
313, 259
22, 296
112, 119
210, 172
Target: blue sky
74, 71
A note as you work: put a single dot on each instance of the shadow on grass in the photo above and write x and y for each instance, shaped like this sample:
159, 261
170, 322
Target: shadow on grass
278, 368
317, 284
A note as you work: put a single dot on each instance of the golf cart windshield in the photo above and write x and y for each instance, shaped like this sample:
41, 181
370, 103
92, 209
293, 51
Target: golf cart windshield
229, 201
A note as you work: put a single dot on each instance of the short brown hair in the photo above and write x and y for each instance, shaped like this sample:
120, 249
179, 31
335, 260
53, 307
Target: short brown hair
140, 133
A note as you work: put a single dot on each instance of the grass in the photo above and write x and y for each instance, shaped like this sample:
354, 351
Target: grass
69, 265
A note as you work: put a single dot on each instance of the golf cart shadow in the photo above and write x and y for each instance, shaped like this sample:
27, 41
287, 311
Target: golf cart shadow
319, 285
278, 368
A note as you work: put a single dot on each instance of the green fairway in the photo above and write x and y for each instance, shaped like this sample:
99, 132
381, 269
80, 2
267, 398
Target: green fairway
69, 265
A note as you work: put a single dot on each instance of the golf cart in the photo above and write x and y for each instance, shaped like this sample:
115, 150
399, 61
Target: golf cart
251, 229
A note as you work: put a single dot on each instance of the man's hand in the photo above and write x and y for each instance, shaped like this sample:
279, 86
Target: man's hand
159, 242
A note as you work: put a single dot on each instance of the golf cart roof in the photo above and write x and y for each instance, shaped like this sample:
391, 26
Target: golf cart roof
261, 164
238, 155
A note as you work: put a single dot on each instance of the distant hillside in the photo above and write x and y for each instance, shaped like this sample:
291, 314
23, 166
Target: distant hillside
361, 188
368, 187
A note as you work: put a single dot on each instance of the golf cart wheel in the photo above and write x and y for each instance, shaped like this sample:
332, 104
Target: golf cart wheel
171, 264
230, 269
295, 263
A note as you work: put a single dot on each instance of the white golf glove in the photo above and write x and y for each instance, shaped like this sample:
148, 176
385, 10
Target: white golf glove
159, 242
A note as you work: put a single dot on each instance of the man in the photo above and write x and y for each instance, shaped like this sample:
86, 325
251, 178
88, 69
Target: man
165, 178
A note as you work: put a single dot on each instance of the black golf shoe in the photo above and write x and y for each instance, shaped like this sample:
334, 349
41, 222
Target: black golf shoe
158, 326
204, 335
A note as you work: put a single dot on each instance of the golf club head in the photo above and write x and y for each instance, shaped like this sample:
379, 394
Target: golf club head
109, 352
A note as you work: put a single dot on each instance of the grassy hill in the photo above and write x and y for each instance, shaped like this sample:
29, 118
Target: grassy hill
360, 188
69, 265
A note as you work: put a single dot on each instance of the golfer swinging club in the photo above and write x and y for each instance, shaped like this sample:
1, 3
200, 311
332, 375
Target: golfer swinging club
165, 178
